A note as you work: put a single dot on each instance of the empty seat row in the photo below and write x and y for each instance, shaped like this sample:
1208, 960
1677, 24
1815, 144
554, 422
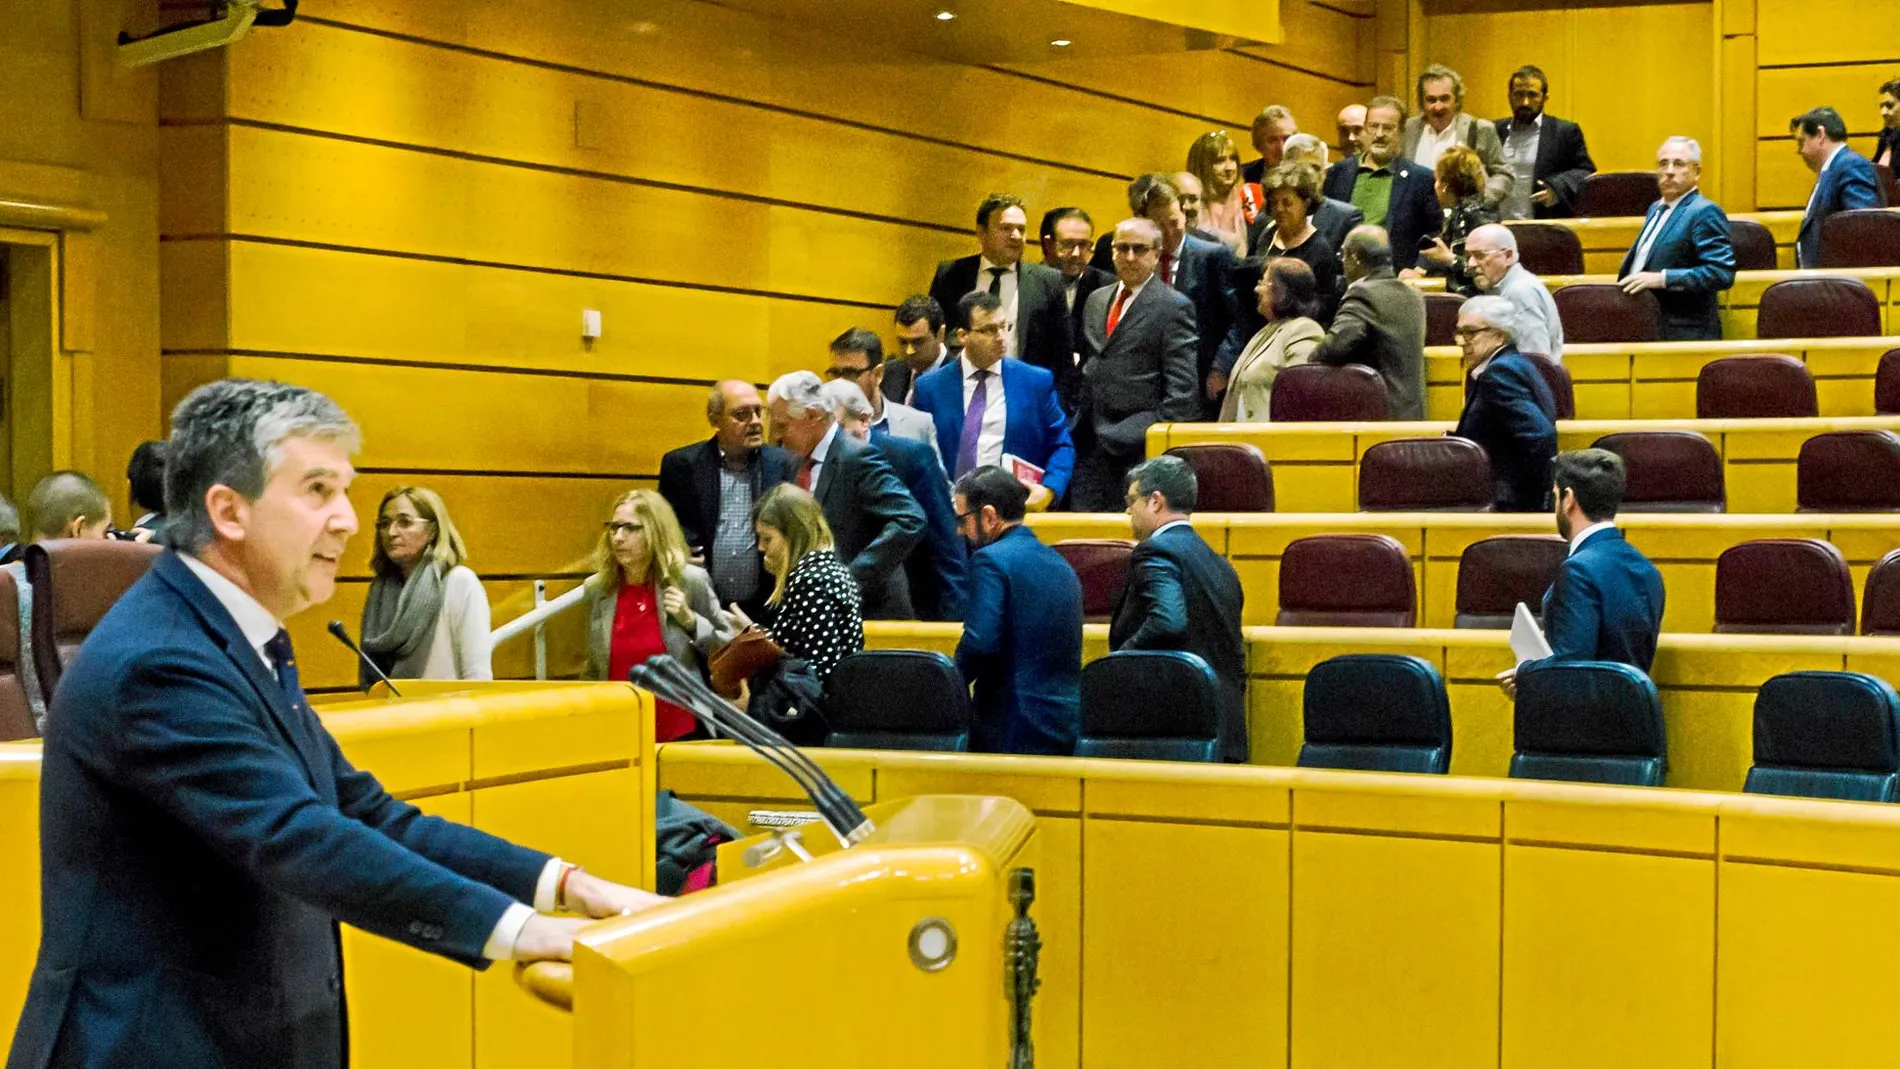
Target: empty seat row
1864, 237
72, 584
1819, 307
1354, 393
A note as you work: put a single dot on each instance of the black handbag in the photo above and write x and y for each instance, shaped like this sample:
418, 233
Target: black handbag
789, 698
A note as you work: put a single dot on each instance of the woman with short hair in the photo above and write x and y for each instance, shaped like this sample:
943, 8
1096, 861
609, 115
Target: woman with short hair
427, 614
1228, 204
1290, 300
1459, 179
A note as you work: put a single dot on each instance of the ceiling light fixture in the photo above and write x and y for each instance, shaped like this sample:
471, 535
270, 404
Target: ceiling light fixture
1061, 42
946, 16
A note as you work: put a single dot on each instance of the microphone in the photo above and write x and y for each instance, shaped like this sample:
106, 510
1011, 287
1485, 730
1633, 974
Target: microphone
343, 636
670, 680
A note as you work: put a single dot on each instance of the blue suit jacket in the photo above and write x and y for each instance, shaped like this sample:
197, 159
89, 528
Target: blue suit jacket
200, 839
1696, 250
938, 568
1849, 182
1022, 647
1510, 413
1605, 605
1412, 213
1034, 428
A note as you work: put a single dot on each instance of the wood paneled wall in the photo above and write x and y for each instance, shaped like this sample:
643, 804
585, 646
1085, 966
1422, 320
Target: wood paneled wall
409, 206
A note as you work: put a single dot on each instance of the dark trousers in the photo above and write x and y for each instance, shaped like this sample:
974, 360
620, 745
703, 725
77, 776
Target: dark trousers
1100, 482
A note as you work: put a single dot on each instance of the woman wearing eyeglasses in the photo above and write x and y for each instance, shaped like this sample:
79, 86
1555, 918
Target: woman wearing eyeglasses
646, 600
427, 614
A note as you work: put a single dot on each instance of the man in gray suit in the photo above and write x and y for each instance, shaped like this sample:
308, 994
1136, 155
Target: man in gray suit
1139, 354
858, 356
875, 523
1380, 324
1444, 122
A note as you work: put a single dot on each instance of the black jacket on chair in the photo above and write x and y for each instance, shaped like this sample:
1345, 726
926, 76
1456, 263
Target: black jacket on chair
689, 480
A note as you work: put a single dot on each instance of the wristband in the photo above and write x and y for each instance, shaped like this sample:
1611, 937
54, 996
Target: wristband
560, 887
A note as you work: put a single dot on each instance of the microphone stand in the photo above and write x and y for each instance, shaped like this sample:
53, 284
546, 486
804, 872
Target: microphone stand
343, 636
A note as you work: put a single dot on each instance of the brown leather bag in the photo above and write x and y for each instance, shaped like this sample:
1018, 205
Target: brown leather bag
750, 652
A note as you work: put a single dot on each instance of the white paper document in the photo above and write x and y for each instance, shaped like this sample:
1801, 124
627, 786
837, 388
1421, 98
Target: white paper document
1527, 639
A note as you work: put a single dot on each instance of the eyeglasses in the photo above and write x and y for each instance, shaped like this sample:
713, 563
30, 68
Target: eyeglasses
1466, 333
746, 414
1479, 254
400, 522
1376, 128
833, 374
1074, 246
1131, 248
987, 328
616, 529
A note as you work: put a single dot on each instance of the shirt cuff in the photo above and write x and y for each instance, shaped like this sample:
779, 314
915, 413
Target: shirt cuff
1665, 278
545, 887
501, 941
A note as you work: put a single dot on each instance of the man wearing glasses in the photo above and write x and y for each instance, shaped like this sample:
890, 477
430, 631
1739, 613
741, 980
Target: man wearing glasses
1393, 193
1491, 260
1067, 236
858, 356
1509, 410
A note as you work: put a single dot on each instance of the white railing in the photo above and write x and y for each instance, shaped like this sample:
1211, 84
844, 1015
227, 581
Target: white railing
536, 620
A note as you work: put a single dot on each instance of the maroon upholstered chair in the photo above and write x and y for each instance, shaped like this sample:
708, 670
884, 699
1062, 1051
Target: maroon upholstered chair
1600, 312
1618, 193
1557, 377
1818, 308
1548, 248
1783, 586
1754, 246
1496, 573
74, 582
1880, 604
1668, 471
16, 714
1441, 318
1346, 580
1765, 386
1887, 384
1231, 476
1889, 183
1849, 471
1440, 474
1861, 237
1102, 566
1317, 393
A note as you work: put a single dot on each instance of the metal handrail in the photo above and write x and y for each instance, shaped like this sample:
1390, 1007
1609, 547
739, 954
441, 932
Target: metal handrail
542, 612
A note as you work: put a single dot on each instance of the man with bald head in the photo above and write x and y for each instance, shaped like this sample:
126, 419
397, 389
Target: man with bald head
1352, 129
1491, 261
712, 486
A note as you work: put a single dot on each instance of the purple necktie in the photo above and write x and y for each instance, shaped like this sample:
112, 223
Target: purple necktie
973, 424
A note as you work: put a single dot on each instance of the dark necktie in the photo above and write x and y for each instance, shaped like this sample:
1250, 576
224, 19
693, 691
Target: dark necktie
996, 281
278, 648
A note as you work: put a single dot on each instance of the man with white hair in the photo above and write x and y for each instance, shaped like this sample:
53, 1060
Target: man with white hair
1491, 258
1509, 410
1272, 128
1683, 253
874, 521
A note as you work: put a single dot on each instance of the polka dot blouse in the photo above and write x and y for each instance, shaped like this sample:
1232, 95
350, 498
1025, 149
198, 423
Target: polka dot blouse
820, 620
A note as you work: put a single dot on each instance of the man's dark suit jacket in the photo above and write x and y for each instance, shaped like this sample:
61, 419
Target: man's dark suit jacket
200, 838
689, 481
1021, 649
1411, 214
938, 569
1143, 374
1381, 324
1092, 279
1849, 182
1045, 336
874, 522
1697, 252
1605, 605
898, 376
1206, 275
1510, 413
1181, 595
1563, 162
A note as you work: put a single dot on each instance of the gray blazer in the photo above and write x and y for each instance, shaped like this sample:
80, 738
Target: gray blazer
713, 631
1147, 373
875, 523
1381, 324
1480, 137
907, 422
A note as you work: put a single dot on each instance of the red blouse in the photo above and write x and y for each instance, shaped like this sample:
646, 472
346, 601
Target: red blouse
637, 636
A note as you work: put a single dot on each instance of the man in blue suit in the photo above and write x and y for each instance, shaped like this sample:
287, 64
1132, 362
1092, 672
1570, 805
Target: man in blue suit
1391, 192
1509, 411
1683, 253
1844, 179
1021, 648
201, 834
1020, 413
1607, 601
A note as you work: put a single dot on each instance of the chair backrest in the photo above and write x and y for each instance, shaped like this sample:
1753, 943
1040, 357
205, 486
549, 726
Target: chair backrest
1818, 308
897, 700
1557, 377
1861, 237
1231, 476
1159, 705
1783, 586
1346, 580
16, 714
1849, 471
1318, 393
1589, 722
1880, 602
1496, 573
1887, 384
1754, 245
1102, 566
1827, 735
1548, 248
1668, 471
1440, 474
1889, 183
1441, 318
1376, 712
1763, 386
74, 582
1600, 312
1621, 193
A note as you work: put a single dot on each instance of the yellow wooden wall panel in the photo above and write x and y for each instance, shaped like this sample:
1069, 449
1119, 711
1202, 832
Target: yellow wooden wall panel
194, 302
1790, 32
514, 525
1737, 93
193, 197
1854, 91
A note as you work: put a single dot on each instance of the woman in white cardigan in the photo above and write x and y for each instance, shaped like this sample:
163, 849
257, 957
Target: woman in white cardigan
427, 614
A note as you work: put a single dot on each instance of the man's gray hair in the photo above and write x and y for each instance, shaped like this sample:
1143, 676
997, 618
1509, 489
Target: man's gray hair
1498, 312
1306, 146
802, 391
231, 433
1503, 236
845, 394
1693, 146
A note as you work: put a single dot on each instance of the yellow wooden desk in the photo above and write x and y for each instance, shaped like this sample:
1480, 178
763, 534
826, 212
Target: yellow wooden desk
1316, 465
1656, 380
1606, 240
1196, 915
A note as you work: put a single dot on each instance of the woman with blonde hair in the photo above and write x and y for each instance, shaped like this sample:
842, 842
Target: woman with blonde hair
646, 599
1228, 204
814, 611
427, 614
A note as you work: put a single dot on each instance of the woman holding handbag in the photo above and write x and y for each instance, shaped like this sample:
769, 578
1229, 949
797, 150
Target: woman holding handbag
646, 600
813, 612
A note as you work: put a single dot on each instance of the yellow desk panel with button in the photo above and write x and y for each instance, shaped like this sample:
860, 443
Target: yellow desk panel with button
561, 767
1199, 915
1316, 465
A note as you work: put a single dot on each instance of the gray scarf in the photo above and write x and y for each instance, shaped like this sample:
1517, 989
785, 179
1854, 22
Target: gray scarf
399, 621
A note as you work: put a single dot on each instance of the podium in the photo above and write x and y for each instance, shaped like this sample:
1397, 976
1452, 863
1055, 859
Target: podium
915, 947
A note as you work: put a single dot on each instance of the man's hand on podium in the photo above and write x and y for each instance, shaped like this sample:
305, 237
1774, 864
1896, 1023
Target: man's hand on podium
548, 938
595, 897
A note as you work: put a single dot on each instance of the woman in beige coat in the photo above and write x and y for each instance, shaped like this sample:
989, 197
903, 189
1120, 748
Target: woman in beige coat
1289, 299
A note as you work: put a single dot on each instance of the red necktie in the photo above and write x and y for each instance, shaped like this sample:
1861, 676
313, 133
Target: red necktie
1167, 269
1115, 310
804, 474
